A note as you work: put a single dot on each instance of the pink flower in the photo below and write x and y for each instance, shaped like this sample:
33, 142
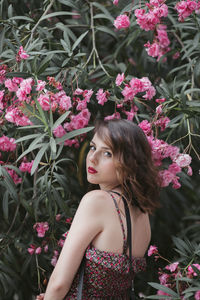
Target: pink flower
65, 102
59, 131
21, 54
146, 127
11, 86
122, 21
61, 242
31, 250
15, 115
152, 250
115, 2
174, 168
41, 228
166, 177
46, 248
161, 100
189, 171
101, 96
113, 116
16, 179
7, 144
26, 166
191, 271
183, 160
40, 85
38, 250
172, 267
176, 55
44, 101
163, 278
197, 295
119, 79
58, 217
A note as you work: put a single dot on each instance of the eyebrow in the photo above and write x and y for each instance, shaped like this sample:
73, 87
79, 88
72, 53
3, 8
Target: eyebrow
105, 148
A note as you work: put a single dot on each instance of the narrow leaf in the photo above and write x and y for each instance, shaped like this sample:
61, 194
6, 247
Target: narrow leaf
60, 120
38, 158
77, 42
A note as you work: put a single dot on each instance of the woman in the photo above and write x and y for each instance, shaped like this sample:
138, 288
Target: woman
119, 161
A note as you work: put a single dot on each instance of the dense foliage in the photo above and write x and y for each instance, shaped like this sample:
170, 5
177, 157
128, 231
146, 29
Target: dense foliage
64, 63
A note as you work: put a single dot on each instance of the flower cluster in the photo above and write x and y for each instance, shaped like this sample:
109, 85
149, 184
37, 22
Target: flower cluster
26, 166
7, 144
172, 271
41, 228
160, 45
122, 21
156, 10
21, 54
186, 8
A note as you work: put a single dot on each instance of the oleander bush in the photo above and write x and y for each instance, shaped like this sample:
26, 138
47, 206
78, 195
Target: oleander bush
63, 64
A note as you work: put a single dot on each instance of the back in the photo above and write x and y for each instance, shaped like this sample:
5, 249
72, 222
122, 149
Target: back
111, 237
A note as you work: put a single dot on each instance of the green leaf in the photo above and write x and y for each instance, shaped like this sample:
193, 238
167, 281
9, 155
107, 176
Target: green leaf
77, 42
104, 10
38, 158
72, 134
5, 205
28, 137
53, 145
58, 13
28, 151
2, 35
39, 107
163, 288
68, 3
22, 18
60, 120
107, 30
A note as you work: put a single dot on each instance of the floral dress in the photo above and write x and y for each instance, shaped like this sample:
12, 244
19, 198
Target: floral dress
106, 273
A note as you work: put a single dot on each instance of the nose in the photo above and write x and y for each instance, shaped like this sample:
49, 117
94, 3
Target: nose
93, 157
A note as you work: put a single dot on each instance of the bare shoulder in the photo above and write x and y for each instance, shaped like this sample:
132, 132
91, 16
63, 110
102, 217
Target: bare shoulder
95, 198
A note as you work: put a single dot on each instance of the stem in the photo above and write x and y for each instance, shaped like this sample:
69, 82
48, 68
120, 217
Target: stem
38, 22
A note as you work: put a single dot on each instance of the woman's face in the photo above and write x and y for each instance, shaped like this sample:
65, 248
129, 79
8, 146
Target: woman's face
100, 165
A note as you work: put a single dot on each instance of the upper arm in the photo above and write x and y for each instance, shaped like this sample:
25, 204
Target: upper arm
87, 223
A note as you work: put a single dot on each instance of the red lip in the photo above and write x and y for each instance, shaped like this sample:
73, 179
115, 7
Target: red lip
91, 170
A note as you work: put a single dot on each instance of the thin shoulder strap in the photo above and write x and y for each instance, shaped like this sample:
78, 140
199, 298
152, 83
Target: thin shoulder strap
129, 240
121, 223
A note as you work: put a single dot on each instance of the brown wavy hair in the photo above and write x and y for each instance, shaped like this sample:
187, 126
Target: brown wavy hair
137, 173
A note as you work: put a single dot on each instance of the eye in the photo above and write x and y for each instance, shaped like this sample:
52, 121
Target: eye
108, 154
92, 147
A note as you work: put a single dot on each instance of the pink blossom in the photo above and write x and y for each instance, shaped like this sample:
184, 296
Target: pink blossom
102, 96
152, 49
38, 250
159, 292
152, 250
119, 79
172, 267
197, 295
16, 179
2, 75
183, 160
58, 217
21, 54
71, 143
61, 243
59, 131
26, 85
40, 85
26, 166
175, 183
31, 250
65, 102
162, 122
130, 114
176, 55
174, 168
189, 171
41, 228
115, 2
87, 94
122, 21
116, 115
166, 177
11, 86
15, 115
163, 278
68, 220
185, 9
159, 109
44, 101
78, 91
46, 248
161, 100
81, 105
7, 144
146, 127
54, 258
1, 99
191, 271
